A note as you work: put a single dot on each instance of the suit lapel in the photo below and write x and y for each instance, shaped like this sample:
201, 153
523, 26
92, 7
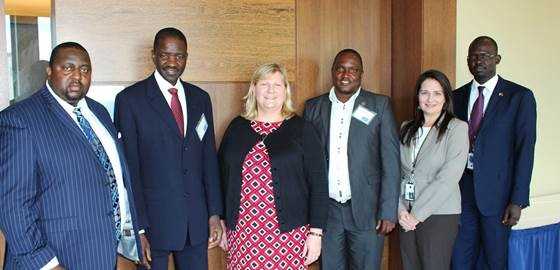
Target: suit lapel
462, 107
430, 140
354, 123
159, 104
62, 115
192, 112
68, 122
325, 114
105, 122
495, 99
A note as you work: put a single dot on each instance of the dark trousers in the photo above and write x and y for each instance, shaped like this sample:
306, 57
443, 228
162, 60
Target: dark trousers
345, 246
482, 241
191, 258
430, 246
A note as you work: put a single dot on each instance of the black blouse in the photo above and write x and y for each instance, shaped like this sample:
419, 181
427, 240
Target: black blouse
298, 166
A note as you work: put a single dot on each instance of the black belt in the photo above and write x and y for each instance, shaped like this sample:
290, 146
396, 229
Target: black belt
345, 204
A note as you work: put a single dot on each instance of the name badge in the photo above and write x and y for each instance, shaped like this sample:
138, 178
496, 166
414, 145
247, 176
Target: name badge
363, 115
409, 191
470, 165
201, 127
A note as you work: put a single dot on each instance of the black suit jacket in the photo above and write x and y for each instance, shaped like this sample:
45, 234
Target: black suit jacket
373, 156
175, 178
298, 171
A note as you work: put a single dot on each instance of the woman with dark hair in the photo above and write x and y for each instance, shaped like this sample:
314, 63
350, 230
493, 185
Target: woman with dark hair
434, 150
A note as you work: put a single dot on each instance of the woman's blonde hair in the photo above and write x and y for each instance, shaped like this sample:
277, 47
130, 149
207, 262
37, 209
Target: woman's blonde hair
251, 110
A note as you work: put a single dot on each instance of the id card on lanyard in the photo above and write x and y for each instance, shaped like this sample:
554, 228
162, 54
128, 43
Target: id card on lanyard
409, 193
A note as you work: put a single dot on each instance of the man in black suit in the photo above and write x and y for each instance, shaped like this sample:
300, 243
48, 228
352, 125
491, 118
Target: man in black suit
168, 132
358, 130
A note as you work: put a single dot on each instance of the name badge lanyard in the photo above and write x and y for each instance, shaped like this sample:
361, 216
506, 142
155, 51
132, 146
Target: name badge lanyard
410, 187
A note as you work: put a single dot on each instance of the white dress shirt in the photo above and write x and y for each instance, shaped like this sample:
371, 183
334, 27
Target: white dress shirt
110, 148
488, 89
164, 88
339, 178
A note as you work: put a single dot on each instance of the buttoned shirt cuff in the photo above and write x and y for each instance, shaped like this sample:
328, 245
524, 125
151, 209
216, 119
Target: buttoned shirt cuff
51, 264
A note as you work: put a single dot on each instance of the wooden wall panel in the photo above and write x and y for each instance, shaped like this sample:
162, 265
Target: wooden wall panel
227, 103
423, 38
227, 39
325, 27
407, 55
439, 36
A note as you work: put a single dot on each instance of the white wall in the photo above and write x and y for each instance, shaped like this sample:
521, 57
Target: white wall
4, 80
528, 36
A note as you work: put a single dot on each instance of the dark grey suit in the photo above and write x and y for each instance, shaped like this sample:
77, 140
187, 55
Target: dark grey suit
374, 171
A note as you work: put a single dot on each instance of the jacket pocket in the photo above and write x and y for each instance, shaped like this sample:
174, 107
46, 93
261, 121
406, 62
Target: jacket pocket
62, 224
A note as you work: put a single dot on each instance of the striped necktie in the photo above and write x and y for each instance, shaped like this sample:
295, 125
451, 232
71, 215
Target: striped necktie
105, 163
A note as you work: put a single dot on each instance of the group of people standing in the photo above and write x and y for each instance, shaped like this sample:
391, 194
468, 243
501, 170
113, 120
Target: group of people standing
282, 191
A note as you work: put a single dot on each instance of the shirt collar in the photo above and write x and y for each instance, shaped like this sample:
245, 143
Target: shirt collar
334, 99
69, 108
488, 85
164, 85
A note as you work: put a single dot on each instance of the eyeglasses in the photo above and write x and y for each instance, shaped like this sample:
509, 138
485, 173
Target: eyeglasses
481, 57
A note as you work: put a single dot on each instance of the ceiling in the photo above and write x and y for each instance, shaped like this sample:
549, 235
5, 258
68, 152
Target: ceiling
36, 8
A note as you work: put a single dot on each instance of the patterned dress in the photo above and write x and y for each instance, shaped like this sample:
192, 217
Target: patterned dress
256, 242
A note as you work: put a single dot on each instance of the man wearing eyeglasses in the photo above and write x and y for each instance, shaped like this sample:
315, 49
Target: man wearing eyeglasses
167, 128
495, 184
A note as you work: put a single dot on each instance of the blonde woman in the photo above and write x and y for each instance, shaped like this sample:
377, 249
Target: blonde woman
273, 179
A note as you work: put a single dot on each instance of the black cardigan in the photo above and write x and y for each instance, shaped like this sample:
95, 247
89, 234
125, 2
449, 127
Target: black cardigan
298, 169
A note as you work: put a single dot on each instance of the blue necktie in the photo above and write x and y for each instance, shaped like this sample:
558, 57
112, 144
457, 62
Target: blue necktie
106, 163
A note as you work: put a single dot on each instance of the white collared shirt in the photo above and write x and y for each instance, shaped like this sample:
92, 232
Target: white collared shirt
110, 148
164, 87
488, 89
339, 178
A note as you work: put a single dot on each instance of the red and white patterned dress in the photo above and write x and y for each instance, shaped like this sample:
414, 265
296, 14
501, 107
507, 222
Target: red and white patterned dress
256, 242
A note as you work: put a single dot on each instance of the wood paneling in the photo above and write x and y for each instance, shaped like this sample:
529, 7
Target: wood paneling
439, 36
423, 38
227, 103
326, 27
407, 55
35, 8
227, 39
